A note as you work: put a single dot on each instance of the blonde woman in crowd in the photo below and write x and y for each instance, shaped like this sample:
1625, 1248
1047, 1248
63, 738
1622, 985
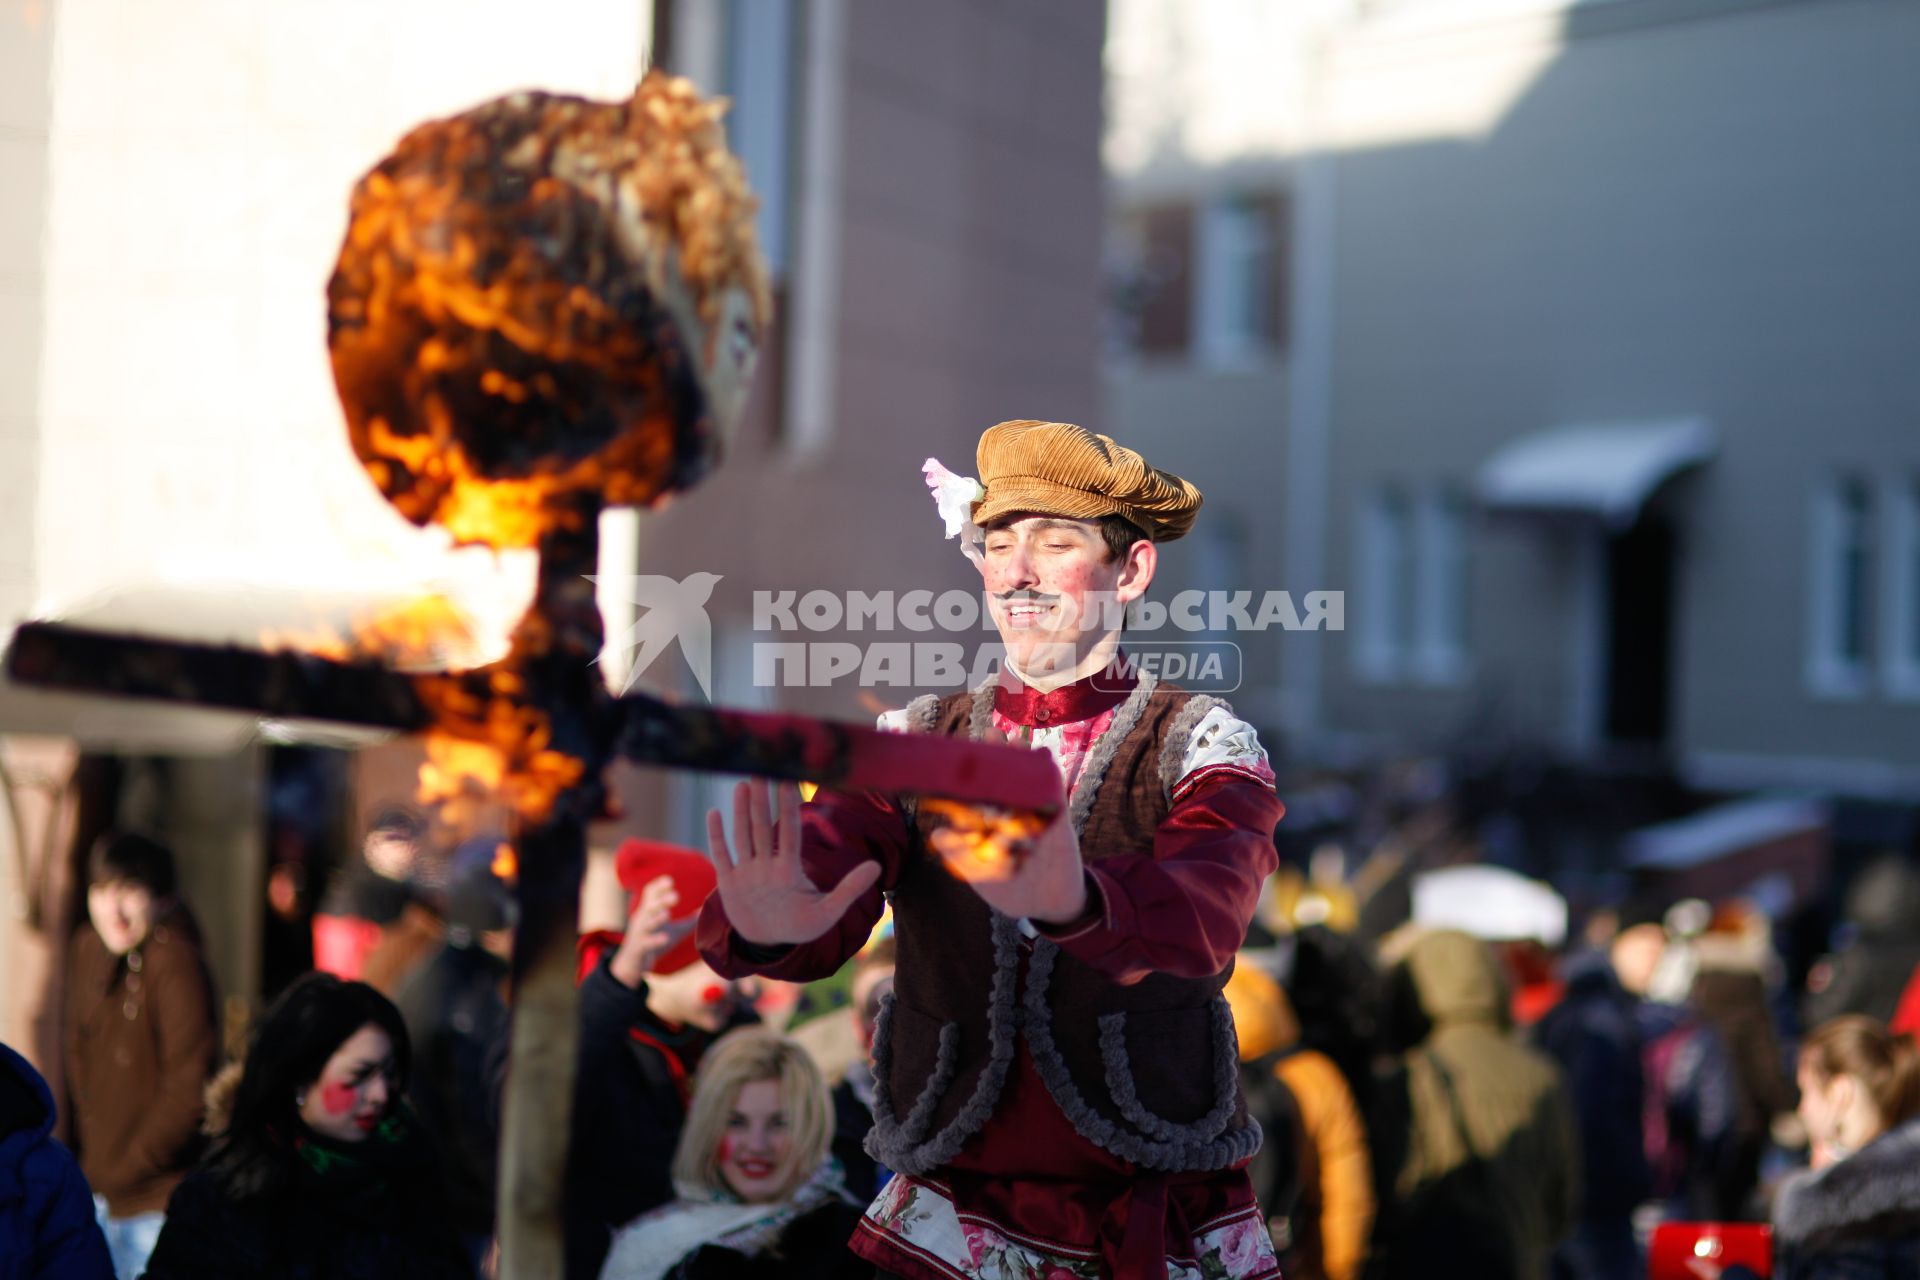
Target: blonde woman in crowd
758, 1193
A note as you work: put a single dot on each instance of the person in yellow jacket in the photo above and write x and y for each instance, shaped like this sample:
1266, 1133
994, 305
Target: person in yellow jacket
1331, 1219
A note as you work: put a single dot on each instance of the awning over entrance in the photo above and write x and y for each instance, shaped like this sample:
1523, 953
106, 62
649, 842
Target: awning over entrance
1606, 470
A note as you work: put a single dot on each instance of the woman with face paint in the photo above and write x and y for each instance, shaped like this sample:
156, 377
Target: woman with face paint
316, 1171
759, 1195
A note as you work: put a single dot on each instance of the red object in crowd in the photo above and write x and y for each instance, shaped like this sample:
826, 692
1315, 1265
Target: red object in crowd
1706, 1250
1906, 1018
341, 945
639, 862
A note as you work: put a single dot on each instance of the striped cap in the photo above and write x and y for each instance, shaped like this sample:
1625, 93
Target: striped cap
1058, 469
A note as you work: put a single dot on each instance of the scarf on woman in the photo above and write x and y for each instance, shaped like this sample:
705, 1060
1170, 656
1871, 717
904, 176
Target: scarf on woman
364, 1175
652, 1245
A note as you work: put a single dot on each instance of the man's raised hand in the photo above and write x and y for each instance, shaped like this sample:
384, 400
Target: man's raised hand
766, 892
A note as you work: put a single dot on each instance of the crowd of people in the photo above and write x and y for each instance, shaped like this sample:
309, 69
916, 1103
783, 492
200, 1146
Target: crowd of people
1429, 1096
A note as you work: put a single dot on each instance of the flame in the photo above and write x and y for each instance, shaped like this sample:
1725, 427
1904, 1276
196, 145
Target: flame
983, 843
488, 746
502, 316
427, 633
506, 863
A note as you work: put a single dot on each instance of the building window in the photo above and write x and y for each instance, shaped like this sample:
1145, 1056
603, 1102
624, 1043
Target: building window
1384, 592
1410, 601
1440, 556
1239, 301
1149, 282
751, 53
1903, 589
1841, 589
760, 83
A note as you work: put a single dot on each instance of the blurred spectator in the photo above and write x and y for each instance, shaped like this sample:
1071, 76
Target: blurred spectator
1869, 971
456, 1016
649, 1009
1476, 1140
840, 1044
47, 1226
317, 1169
1856, 1213
1691, 1110
1320, 1230
375, 925
1735, 981
1533, 972
759, 1195
1290, 900
141, 1042
1594, 1034
1339, 999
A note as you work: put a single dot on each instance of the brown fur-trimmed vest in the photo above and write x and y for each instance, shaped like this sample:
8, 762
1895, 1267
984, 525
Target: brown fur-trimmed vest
1146, 1071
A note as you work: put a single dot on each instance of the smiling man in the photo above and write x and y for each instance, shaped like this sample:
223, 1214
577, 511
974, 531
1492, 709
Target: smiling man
1056, 1078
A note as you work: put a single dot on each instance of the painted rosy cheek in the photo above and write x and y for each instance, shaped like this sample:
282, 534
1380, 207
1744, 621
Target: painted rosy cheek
712, 993
725, 1153
337, 1099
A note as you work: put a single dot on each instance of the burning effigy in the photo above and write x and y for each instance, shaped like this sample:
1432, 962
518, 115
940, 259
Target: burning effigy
544, 298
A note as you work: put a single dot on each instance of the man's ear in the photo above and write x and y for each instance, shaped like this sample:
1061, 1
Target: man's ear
1136, 571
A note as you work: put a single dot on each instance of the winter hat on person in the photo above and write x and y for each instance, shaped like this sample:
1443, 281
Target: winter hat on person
640, 862
1058, 469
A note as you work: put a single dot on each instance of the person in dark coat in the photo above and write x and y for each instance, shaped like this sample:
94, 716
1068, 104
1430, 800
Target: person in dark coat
1855, 1215
1691, 1107
649, 1008
141, 1041
759, 1195
1594, 1034
456, 1016
318, 1171
1869, 972
47, 1225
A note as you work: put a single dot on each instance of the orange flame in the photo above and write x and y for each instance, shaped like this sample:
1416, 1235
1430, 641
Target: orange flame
981, 843
428, 633
506, 863
496, 317
488, 748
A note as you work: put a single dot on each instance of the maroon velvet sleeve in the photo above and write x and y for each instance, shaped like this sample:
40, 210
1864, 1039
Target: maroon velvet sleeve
1184, 908
838, 831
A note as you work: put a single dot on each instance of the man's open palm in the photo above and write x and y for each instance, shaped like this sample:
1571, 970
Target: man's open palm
768, 897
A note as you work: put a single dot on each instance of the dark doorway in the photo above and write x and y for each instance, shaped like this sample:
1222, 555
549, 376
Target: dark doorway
1639, 632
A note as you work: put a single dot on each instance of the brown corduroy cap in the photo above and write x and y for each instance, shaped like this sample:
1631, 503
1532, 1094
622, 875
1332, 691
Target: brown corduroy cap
1058, 469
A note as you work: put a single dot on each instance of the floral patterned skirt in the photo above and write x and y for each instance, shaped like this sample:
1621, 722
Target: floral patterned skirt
914, 1230
1029, 1199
